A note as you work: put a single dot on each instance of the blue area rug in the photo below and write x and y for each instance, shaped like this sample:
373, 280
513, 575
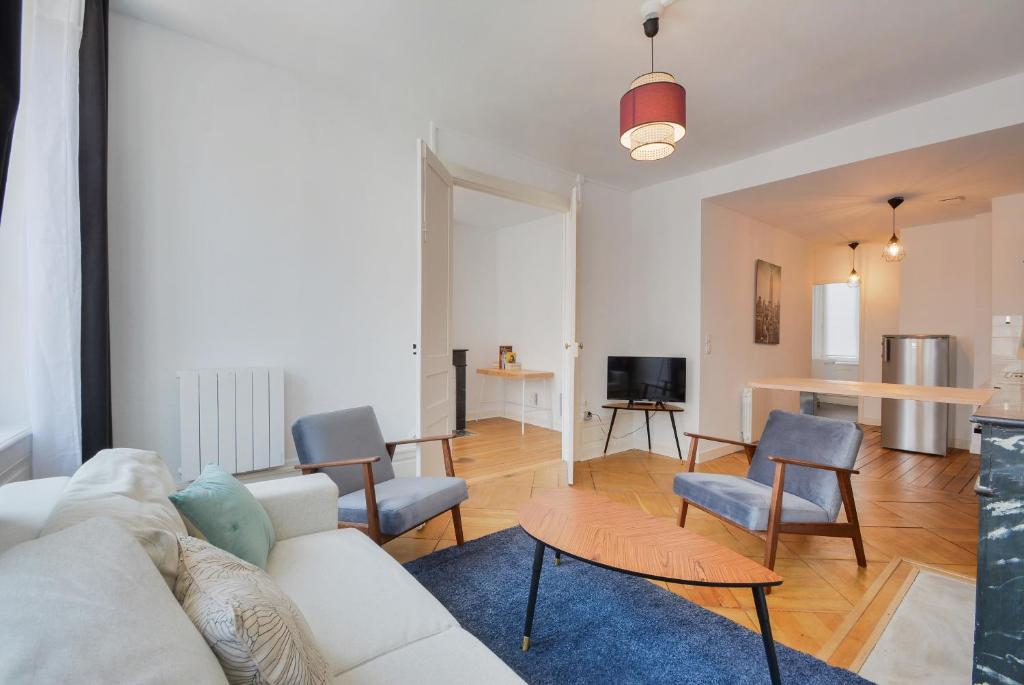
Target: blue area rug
593, 625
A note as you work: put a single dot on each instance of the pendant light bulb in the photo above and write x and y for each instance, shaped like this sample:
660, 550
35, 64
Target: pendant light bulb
894, 250
853, 280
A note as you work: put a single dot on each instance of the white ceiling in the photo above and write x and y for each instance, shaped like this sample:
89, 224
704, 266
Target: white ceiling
848, 203
490, 211
544, 77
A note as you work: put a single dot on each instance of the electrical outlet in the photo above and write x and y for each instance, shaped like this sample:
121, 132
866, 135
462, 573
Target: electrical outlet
707, 344
588, 415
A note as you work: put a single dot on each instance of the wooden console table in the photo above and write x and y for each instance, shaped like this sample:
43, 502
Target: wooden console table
646, 408
522, 375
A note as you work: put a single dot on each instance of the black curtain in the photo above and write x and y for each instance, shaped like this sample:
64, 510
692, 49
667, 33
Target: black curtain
97, 429
10, 82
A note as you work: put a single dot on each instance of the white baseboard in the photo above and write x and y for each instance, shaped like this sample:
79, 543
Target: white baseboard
871, 421
716, 452
513, 415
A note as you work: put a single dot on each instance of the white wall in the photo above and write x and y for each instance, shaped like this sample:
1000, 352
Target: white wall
1008, 254
475, 310
939, 293
507, 289
249, 227
731, 243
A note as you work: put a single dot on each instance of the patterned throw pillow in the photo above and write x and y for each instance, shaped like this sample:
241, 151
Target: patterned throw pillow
256, 631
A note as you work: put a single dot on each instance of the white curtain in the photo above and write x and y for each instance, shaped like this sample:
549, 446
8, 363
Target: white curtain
44, 177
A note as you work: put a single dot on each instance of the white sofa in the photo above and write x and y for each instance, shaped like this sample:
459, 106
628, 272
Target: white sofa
373, 622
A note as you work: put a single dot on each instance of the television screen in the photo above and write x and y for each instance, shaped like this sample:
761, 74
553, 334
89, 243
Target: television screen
654, 379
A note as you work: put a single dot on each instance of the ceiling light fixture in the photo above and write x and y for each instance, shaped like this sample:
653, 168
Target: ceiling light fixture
652, 113
893, 250
853, 280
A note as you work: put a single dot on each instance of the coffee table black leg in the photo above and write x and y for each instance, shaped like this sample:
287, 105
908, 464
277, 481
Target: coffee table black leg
766, 634
615, 412
679, 450
558, 557
647, 420
538, 562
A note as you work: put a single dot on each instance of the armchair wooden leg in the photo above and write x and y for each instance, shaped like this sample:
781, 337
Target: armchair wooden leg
372, 515
682, 514
457, 523
771, 542
846, 491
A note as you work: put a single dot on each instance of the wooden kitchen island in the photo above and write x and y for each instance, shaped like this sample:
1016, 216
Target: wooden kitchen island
889, 391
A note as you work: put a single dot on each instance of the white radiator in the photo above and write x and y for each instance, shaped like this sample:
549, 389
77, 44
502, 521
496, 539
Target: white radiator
747, 415
231, 417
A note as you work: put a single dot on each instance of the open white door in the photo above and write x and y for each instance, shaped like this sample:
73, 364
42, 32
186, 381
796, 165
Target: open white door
572, 347
436, 378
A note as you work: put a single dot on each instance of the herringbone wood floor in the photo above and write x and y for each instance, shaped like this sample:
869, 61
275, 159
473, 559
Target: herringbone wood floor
910, 505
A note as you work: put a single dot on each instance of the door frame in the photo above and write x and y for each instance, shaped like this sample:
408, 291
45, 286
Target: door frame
568, 207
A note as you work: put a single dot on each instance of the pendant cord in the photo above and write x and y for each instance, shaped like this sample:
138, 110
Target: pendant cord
652, 54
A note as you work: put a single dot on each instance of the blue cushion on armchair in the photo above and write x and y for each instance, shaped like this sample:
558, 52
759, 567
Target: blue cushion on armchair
404, 503
743, 501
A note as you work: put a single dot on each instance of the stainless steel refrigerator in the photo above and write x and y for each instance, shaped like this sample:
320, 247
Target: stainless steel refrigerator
910, 425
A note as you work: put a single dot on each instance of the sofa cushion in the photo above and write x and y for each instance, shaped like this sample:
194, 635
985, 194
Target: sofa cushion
25, 506
130, 486
743, 501
227, 514
359, 601
257, 633
404, 503
86, 605
453, 657
298, 505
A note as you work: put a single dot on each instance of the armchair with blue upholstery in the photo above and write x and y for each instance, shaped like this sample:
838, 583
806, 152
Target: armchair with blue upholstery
819, 454
348, 446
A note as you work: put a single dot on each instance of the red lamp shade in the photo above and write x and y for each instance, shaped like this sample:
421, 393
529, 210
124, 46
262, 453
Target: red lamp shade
652, 116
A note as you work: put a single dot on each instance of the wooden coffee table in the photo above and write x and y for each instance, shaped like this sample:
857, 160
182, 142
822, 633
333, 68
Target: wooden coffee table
594, 529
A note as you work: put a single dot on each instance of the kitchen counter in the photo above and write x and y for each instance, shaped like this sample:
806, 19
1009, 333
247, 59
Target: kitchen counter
892, 391
1005, 407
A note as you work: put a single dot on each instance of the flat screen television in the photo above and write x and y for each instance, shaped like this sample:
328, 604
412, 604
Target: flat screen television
647, 379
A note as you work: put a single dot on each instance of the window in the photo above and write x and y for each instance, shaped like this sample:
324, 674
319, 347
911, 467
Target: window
836, 323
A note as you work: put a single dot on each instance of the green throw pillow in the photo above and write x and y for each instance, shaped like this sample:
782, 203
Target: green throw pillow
227, 515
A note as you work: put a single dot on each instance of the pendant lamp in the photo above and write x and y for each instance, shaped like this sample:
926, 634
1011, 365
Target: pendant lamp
893, 250
652, 113
853, 280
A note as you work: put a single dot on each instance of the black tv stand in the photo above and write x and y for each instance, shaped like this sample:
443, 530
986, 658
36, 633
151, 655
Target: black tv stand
646, 408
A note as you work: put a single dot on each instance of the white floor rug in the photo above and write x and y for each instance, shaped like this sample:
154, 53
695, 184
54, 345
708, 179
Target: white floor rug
929, 638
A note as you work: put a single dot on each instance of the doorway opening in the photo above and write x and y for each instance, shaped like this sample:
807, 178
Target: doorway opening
507, 315
497, 298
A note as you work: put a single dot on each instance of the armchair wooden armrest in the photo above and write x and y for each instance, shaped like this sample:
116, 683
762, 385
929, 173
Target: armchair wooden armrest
313, 468
738, 443
811, 465
446, 448
748, 447
430, 438
372, 515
